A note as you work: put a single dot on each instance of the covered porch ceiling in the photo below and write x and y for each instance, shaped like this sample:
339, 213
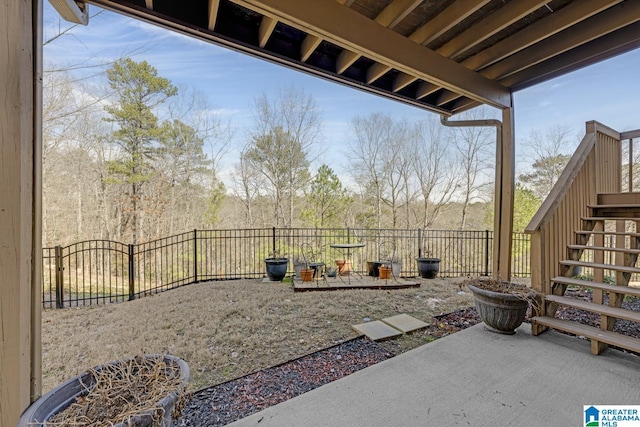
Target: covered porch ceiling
446, 56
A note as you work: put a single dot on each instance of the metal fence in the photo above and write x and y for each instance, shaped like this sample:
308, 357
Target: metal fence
101, 271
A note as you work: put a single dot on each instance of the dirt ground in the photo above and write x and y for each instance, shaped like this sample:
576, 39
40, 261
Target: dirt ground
230, 328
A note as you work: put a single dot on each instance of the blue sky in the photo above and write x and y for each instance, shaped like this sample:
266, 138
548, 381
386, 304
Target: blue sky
231, 81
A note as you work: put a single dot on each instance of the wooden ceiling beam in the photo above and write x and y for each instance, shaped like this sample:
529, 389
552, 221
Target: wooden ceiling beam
311, 42
447, 19
309, 45
353, 31
396, 11
213, 14
546, 27
345, 59
389, 17
267, 25
426, 89
620, 41
445, 97
597, 26
492, 24
463, 104
402, 80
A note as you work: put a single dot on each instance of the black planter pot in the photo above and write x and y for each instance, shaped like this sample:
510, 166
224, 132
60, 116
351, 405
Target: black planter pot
58, 399
428, 267
276, 268
501, 312
374, 267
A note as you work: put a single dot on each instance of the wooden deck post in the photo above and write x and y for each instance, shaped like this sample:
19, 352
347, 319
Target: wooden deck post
504, 191
20, 210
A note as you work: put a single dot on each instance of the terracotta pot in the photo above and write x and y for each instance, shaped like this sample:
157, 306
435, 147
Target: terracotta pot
307, 274
384, 272
344, 266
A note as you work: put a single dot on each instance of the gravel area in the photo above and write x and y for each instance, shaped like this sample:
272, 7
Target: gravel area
224, 403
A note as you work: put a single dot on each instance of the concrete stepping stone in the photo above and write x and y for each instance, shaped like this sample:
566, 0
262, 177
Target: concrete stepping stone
405, 323
377, 330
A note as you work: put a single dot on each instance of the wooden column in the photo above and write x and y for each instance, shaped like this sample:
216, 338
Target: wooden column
504, 190
20, 210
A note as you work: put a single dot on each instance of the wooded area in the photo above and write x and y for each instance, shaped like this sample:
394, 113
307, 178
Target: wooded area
137, 158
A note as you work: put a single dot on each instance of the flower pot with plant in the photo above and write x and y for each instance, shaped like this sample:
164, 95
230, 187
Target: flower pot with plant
147, 390
501, 305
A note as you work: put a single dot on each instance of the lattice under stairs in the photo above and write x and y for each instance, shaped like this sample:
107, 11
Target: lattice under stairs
606, 249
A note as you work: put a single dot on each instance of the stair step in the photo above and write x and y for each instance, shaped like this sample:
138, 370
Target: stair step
610, 218
626, 290
615, 206
597, 334
626, 198
618, 313
609, 233
613, 267
603, 248
618, 210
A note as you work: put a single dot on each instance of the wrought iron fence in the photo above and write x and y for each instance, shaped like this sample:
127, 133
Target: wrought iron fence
101, 271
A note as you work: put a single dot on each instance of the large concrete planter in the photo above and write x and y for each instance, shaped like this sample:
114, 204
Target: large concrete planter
501, 312
61, 397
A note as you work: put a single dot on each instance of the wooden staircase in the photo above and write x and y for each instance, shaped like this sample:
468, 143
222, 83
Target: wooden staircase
608, 244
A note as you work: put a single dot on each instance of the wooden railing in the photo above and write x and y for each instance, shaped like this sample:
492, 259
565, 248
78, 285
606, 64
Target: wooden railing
628, 184
596, 167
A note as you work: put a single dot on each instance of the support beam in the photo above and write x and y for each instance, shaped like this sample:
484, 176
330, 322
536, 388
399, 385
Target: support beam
20, 209
504, 187
496, 22
620, 41
334, 23
402, 81
594, 28
267, 26
213, 14
449, 18
390, 16
504, 193
345, 59
546, 27
309, 44
426, 89
457, 12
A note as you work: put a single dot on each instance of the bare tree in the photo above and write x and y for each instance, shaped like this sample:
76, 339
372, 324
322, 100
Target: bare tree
474, 146
551, 150
370, 150
398, 157
286, 129
434, 169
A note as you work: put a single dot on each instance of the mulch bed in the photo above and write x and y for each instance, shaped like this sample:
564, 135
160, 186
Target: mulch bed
225, 403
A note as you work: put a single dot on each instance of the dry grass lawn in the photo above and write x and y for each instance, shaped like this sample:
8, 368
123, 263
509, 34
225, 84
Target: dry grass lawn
227, 329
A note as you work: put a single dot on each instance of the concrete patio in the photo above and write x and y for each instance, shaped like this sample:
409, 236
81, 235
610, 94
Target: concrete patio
471, 378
